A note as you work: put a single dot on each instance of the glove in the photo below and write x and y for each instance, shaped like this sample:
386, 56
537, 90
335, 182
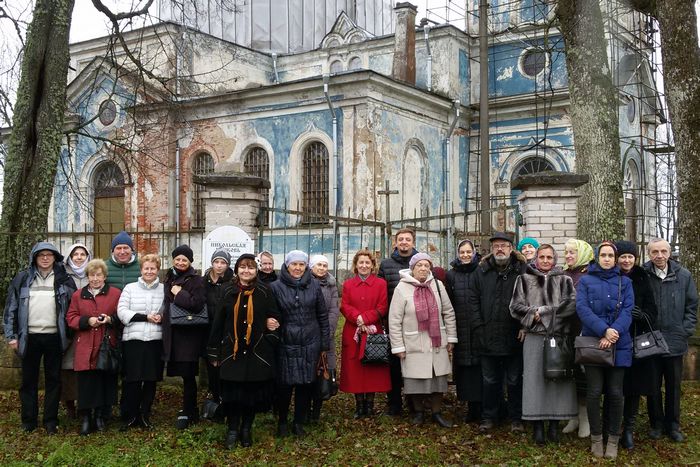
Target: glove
637, 313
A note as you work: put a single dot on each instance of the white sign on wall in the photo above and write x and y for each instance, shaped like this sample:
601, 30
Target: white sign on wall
232, 239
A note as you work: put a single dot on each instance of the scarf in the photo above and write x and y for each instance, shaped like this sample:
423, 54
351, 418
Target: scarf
249, 319
427, 311
79, 271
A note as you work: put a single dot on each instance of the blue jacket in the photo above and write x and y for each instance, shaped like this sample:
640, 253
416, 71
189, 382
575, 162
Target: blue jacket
16, 318
677, 301
596, 303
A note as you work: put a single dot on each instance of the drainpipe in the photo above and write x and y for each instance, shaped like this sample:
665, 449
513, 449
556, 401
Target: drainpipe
448, 199
485, 166
326, 82
426, 31
177, 191
276, 76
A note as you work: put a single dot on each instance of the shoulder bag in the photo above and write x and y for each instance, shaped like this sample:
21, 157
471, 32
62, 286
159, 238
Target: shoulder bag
326, 386
109, 359
557, 355
650, 343
180, 316
588, 351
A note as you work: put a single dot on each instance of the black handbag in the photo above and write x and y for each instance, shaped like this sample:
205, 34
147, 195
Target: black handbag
649, 343
377, 349
211, 409
557, 355
180, 316
326, 386
588, 351
109, 359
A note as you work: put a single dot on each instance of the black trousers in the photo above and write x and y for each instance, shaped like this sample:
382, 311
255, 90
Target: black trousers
138, 397
669, 371
393, 397
610, 379
48, 347
494, 371
302, 401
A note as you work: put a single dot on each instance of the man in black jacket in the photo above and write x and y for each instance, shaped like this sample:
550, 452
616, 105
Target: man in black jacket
389, 271
490, 291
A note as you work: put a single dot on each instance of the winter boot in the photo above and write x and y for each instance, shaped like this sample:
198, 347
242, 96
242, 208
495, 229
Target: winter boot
611, 448
538, 432
553, 431
597, 445
359, 406
584, 429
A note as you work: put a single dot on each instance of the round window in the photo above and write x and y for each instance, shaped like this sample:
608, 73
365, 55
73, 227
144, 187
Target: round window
631, 111
108, 112
533, 61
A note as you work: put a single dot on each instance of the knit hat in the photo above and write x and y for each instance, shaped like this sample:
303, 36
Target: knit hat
122, 238
528, 241
501, 236
185, 251
296, 255
626, 247
418, 257
241, 258
317, 259
221, 254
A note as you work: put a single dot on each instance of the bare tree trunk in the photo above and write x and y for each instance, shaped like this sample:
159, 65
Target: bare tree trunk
35, 144
601, 210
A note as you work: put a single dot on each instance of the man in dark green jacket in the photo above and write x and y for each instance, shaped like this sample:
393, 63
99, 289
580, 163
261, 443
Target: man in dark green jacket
123, 265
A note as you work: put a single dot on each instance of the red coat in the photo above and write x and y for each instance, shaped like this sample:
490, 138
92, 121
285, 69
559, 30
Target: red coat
367, 298
88, 339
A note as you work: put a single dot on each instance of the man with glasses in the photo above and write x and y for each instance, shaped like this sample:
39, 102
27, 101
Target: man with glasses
490, 291
35, 328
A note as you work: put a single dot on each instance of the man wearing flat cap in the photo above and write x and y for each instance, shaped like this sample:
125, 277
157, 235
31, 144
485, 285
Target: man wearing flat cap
490, 291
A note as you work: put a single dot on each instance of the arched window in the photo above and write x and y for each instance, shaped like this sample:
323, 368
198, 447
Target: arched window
257, 163
533, 165
203, 164
108, 208
336, 66
355, 63
314, 183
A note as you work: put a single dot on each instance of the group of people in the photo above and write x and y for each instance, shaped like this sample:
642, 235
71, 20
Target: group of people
264, 335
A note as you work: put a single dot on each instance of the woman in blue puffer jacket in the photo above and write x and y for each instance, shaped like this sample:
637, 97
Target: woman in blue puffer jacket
604, 302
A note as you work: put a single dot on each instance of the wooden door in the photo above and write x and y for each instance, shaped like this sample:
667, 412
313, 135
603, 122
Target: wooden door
109, 219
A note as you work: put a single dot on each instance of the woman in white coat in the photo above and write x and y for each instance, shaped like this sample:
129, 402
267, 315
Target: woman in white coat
422, 331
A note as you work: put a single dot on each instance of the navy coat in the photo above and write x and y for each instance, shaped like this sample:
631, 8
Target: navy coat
303, 327
596, 305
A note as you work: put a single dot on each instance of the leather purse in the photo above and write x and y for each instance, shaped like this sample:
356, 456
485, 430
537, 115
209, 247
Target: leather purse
649, 344
377, 349
109, 359
326, 386
180, 316
557, 355
588, 351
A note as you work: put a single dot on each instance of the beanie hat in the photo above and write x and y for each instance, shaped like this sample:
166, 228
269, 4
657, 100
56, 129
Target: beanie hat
221, 254
185, 251
241, 258
296, 255
122, 238
317, 259
419, 257
528, 241
626, 247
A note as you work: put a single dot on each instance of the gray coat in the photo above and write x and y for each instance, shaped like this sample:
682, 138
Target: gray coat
676, 298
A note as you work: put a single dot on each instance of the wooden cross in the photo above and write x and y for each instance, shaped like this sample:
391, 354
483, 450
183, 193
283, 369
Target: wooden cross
387, 192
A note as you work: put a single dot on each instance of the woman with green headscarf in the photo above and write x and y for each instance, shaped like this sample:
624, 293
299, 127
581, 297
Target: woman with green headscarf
577, 256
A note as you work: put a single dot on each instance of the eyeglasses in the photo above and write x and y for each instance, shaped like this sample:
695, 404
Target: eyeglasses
45, 255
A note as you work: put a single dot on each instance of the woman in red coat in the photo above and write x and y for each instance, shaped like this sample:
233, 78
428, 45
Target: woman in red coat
92, 311
364, 305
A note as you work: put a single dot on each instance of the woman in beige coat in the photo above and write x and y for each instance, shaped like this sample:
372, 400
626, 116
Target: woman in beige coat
423, 331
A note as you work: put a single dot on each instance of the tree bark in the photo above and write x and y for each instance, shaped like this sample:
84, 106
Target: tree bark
601, 211
35, 143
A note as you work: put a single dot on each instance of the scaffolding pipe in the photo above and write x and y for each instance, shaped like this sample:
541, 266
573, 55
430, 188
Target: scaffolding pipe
485, 167
429, 80
326, 82
448, 199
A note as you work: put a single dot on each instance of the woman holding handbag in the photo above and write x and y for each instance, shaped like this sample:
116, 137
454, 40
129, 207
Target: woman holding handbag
637, 381
544, 300
364, 305
93, 314
184, 344
242, 345
423, 332
604, 303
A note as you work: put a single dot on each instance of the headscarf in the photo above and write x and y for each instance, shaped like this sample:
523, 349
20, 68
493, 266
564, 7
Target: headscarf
460, 244
294, 256
78, 271
585, 253
536, 263
605, 243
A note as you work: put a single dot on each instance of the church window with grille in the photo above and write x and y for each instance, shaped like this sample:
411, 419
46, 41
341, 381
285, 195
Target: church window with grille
314, 183
257, 163
203, 164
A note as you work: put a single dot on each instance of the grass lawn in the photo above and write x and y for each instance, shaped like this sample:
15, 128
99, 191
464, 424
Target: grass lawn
336, 440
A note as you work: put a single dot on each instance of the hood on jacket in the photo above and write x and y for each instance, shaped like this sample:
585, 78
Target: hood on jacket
39, 246
407, 276
487, 262
596, 270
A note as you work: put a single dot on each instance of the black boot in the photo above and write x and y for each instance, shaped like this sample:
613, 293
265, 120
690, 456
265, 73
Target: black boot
553, 431
369, 406
440, 420
231, 439
627, 437
247, 431
473, 412
538, 432
359, 406
315, 413
86, 424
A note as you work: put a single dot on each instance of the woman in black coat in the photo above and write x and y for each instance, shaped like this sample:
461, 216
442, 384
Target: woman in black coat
304, 335
466, 365
637, 381
242, 345
184, 345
